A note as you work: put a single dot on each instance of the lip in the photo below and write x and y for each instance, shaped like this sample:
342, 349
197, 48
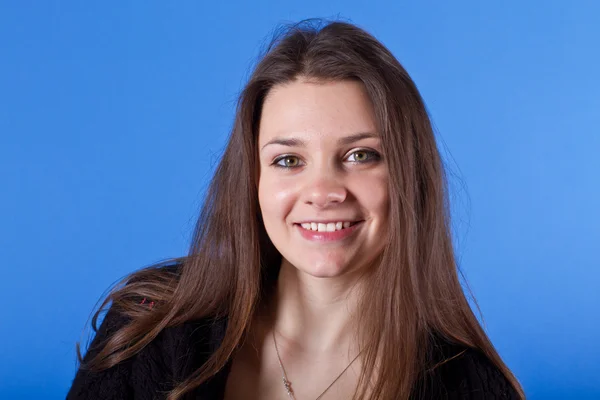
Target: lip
327, 221
328, 236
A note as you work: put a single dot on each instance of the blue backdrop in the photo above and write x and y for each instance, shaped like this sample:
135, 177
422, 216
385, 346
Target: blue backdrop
112, 117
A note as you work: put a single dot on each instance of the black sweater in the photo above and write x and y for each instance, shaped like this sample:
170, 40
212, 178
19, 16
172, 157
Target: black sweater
178, 351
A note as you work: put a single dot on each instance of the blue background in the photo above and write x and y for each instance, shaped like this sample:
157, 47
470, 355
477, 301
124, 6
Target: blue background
113, 115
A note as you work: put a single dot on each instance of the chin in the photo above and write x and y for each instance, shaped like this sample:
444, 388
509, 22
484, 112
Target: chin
323, 273
324, 269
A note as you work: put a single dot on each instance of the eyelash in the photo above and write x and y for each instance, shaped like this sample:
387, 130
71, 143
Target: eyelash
373, 156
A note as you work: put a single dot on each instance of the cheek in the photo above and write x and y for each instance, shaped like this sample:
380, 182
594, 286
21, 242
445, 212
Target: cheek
276, 199
383, 202
373, 194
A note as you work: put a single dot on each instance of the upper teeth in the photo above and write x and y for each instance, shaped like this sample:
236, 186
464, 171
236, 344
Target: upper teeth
330, 227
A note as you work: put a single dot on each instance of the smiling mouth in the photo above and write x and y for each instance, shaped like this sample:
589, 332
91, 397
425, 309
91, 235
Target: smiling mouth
327, 227
329, 233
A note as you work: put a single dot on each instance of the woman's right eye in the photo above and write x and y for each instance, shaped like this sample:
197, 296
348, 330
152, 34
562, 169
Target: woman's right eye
286, 162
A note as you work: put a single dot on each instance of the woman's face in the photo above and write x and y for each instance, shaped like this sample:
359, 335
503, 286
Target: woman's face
323, 183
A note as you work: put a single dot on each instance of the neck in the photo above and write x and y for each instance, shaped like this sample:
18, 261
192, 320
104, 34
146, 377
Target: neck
315, 314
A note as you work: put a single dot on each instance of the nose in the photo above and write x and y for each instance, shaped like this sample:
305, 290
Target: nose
324, 191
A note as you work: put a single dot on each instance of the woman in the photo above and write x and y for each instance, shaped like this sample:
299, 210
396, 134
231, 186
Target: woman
322, 264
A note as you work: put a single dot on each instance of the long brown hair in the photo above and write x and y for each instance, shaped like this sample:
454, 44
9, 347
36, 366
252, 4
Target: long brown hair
415, 289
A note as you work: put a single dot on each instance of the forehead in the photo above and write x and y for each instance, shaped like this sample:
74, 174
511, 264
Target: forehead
325, 109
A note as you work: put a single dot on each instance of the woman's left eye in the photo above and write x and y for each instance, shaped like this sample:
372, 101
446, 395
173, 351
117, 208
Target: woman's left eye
361, 156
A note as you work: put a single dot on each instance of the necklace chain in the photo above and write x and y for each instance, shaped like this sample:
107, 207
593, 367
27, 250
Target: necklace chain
288, 385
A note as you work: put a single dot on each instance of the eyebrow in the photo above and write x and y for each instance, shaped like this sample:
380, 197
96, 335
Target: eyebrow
292, 142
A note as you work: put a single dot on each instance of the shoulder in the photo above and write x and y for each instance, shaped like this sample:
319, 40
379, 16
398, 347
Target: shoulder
115, 317
467, 373
169, 357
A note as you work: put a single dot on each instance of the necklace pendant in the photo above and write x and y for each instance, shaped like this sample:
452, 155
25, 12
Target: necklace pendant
288, 386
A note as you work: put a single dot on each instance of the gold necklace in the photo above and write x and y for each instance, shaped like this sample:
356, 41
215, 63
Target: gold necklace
288, 385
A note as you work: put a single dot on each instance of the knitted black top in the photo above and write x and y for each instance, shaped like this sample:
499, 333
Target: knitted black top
178, 351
